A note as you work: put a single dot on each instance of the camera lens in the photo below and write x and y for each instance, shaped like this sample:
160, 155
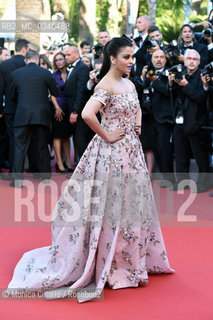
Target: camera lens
151, 71
98, 48
207, 32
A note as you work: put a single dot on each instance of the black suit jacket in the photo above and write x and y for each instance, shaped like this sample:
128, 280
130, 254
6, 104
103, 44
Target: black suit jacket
160, 98
6, 69
141, 56
75, 87
194, 103
210, 97
201, 49
30, 86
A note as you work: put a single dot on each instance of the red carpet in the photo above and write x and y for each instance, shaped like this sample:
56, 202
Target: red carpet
187, 294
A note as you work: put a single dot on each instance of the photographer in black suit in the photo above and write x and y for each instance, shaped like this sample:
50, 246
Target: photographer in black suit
6, 68
156, 82
30, 86
190, 114
187, 41
208, 86
75, 90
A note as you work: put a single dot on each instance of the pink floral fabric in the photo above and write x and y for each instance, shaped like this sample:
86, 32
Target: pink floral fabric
105, 226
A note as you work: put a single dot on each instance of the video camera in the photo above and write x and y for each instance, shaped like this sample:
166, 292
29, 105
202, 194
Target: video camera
177, 72
173, 48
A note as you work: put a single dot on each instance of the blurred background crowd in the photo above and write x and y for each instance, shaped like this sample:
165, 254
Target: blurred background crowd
40, 111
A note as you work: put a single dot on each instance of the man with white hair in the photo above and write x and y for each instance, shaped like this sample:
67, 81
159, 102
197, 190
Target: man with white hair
190, 111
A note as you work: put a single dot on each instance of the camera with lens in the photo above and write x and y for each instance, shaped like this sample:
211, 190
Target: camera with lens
97, 74
98, 49
208, 32
173, 48
151, 43
151, 71
208, 71
146, 98
130, 37
176, 72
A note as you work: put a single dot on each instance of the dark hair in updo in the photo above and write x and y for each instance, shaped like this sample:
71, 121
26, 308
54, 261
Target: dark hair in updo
112, 48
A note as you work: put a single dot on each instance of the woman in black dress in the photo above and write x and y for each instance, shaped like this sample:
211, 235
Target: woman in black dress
61, 124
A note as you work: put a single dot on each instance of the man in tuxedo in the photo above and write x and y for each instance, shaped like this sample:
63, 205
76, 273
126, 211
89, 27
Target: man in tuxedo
75, 90
208, 86
8, 111
142, 24
187, 36
30, 86
155, 34
3, 130
190, 114
161, 111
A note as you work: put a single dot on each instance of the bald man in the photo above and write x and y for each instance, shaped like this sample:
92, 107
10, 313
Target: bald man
142, 24
161, 111
76, 92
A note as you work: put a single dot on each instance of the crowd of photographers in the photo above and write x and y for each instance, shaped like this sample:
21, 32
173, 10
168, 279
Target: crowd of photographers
175, 85
175, 88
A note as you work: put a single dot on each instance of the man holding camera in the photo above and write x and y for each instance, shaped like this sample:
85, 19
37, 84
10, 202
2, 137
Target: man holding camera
190, 111
155, 35
187, 36
154, 78
97, 51
207, 78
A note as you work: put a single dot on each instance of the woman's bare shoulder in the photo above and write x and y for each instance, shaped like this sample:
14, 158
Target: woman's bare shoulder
130, 83
104, 85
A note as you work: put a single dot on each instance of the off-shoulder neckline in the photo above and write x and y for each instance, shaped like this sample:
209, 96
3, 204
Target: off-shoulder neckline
116, 94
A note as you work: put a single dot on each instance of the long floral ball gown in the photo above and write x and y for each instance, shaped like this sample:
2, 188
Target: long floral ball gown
105, 226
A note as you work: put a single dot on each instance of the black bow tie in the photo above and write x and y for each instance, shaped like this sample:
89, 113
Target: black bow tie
189, 47
71, 66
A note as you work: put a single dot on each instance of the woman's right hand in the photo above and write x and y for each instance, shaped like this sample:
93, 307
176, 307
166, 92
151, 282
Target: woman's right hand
59, 114
115, 135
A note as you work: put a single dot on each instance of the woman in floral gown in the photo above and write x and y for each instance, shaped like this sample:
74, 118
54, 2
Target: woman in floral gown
105, 227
